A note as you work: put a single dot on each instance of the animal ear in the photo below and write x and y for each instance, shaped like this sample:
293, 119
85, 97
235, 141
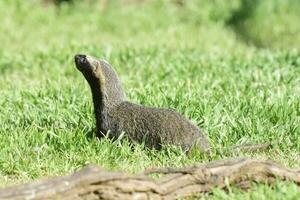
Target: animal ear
96, 72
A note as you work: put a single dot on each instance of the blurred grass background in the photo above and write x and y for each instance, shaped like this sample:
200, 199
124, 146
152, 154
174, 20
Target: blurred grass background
233, 67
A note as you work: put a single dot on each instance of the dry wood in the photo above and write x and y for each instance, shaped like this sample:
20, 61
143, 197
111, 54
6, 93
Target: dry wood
95, 183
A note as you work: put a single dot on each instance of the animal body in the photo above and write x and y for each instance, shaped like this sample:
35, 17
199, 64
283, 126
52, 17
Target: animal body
114, 114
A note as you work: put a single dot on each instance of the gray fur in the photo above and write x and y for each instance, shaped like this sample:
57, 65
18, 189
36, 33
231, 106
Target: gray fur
154, 126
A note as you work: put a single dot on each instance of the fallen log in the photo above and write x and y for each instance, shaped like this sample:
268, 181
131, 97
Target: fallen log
95, 183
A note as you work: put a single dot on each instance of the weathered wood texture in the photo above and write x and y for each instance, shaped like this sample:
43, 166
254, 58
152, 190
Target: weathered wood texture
95, 183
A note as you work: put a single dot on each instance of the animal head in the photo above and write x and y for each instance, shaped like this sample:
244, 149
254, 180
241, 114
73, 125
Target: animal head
90, 67
100, 75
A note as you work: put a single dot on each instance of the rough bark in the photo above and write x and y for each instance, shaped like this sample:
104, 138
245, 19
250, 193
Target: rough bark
95, 183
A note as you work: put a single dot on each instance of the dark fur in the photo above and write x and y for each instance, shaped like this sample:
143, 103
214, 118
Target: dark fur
154, 126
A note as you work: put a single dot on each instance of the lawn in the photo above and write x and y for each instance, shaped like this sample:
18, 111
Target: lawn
237, 76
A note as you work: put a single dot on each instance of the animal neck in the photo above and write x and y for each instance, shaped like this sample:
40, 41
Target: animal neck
112, 87
100, 107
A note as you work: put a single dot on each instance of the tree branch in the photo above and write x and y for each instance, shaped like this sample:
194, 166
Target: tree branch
95, 183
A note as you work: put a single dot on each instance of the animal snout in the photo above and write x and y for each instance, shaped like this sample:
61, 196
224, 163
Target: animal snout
80, 59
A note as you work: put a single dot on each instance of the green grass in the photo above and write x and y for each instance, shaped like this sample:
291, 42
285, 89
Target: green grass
167, 56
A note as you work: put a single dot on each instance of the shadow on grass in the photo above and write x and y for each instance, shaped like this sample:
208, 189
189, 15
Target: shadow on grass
58, 2
91, 135
238, 19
